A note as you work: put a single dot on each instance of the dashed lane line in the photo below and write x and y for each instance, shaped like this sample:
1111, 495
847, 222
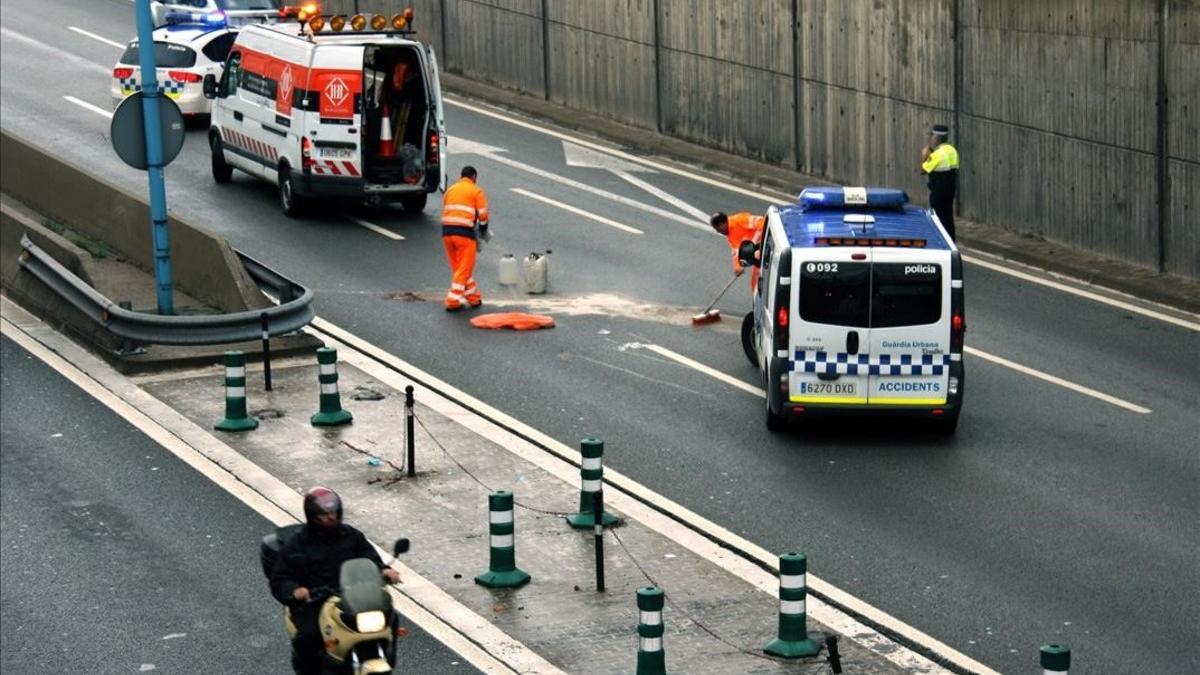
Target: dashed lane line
88, 106
97, 38
375, 228
577, 211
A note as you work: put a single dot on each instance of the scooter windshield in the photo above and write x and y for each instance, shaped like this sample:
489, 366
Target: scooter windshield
362, 587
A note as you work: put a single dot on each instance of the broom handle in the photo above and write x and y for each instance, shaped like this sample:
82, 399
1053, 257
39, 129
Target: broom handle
718, 298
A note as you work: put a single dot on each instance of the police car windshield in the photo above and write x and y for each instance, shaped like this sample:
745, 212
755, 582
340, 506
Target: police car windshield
166, 55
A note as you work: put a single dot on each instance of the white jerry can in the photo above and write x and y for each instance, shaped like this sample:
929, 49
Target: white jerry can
537, 272
510, 270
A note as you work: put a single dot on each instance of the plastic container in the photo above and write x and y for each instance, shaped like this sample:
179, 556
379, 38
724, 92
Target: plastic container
510, 270
537, 272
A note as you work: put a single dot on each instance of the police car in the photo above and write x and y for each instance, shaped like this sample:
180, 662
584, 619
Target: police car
186, 49
232, 12
859, 308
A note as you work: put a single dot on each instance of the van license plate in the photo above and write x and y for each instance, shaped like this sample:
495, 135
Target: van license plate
828, 388
337, 153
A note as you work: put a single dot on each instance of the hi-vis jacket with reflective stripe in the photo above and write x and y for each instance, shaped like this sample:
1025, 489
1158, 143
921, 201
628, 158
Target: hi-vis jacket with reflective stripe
464, 205
744, 227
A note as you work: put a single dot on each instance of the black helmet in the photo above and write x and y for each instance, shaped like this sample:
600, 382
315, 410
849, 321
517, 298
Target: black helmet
718, 218
319, 501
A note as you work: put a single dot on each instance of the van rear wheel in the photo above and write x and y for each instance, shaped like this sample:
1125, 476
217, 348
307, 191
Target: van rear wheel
748, 338
291, 203
221, 171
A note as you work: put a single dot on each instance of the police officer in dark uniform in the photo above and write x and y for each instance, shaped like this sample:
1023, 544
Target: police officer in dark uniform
311, 559
939, 161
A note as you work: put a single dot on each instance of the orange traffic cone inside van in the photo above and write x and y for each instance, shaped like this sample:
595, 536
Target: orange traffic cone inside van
387, 148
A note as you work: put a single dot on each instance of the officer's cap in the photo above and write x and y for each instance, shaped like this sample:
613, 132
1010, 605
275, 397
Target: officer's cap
940, 130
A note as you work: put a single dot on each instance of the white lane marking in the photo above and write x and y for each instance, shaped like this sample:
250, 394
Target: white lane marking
624, 155
711, 372
1041, 281
97, 38
1087, 391
56, 53
1025, 370
463, 146
88, 106
370, 359
577, 211
667, 197
775, 197
375, 228
422, 602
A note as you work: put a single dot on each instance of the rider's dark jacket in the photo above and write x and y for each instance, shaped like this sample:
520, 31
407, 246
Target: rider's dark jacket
313, 558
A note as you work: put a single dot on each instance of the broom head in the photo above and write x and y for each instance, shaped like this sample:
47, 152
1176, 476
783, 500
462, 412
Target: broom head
711, 316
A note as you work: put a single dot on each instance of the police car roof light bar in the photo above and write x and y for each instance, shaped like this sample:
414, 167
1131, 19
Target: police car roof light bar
852, 197
211, 19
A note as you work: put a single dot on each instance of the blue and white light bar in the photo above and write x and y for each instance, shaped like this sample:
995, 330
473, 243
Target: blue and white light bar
852, 197
212, 19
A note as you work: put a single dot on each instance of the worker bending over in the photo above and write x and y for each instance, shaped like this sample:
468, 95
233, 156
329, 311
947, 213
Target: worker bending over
738, 228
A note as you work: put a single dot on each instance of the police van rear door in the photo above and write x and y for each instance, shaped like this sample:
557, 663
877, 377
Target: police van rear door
830, 333
910, 327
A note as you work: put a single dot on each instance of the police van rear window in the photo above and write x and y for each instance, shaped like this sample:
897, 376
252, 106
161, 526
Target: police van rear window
836, 293
905, 294
166, 55
862, 295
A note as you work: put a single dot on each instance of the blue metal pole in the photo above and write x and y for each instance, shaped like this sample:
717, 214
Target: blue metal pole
154, 158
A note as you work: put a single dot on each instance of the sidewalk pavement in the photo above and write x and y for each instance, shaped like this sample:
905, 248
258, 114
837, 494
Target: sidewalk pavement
718, 615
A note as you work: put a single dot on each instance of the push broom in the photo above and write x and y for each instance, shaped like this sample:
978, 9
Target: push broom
711, 315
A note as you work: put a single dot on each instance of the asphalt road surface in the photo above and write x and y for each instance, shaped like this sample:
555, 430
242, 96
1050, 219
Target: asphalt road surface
1052, 516
116, 557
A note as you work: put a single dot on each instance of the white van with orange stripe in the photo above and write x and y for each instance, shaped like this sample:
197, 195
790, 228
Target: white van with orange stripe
331, 108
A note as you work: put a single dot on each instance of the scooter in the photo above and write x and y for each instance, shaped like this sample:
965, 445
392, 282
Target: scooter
356, 619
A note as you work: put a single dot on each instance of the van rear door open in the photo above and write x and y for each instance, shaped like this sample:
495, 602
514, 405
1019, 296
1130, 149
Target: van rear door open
909, 338
833, 335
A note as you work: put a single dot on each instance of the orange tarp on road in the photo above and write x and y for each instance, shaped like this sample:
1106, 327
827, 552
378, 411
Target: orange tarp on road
513, 320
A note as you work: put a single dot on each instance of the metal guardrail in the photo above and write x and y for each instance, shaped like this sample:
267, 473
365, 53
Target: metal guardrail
293, 313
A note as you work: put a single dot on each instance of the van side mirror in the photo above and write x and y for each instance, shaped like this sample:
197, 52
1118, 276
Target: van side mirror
748, 253
401, 546
210, 86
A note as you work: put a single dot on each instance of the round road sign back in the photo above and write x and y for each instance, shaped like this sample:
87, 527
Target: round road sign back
129, 134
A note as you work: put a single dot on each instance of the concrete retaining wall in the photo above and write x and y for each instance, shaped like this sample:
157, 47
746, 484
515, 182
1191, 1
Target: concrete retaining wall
1077, 120
203, 264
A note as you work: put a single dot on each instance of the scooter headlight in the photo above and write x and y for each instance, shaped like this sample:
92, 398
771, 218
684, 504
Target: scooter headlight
370, 622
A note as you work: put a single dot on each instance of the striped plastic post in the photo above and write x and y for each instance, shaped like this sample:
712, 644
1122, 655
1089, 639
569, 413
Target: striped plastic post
651, 660
794, 639
236, 418
591, 474
502, 565
1056, 659
331, 414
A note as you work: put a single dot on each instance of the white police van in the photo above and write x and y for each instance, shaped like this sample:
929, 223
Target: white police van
859, 307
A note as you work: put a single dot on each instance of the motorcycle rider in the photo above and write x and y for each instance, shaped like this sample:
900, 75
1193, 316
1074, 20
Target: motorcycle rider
312, 559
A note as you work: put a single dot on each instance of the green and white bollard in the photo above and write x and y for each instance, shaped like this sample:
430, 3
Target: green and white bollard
502, 565
331, 414
1056, 659
236, 418
591, 474
794, 639
651, 660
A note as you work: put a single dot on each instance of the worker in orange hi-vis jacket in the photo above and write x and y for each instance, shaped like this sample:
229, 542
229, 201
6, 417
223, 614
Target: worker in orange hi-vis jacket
738, 228
464, 223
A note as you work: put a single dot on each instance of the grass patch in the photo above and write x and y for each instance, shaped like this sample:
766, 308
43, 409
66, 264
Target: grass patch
97, 249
